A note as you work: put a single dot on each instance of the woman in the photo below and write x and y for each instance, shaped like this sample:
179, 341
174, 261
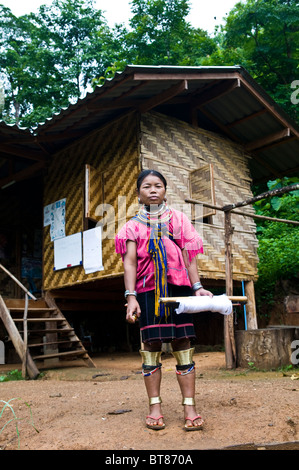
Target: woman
159, 247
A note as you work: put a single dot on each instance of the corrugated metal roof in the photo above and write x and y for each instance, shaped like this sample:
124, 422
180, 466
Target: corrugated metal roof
223, 99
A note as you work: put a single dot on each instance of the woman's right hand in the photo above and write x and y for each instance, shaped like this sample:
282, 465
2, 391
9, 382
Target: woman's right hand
133, 309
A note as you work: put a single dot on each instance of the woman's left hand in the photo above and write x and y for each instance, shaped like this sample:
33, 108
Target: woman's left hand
203, 291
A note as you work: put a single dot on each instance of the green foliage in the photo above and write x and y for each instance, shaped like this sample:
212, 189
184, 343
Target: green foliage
50, 59
160, 34
263, 36
278, 242
11, 375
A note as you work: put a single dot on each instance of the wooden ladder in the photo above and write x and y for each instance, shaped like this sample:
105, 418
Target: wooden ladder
49, 334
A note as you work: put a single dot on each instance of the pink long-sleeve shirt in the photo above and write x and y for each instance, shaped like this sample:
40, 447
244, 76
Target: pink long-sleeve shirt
184, 237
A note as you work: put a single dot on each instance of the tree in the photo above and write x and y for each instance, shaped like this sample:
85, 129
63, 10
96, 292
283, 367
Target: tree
278, 242
263, 36
159, 34
81, 39
49, 59
25, 66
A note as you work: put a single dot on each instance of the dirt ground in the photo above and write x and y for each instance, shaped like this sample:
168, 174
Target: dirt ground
79, 408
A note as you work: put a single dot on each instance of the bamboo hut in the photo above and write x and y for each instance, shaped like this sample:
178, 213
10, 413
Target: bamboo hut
212, 131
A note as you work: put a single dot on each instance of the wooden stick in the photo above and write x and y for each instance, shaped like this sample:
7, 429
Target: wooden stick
245, 214
15, 336
273, 192
17, 281
25, 339
171, 300
229, 335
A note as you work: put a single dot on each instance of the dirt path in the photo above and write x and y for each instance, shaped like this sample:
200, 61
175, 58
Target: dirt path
77, 408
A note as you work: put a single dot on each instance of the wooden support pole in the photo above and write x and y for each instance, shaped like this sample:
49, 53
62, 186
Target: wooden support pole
15, 336
251, 310
25, 327
229, 336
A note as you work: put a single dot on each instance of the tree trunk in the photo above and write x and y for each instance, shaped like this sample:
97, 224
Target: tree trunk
266, 348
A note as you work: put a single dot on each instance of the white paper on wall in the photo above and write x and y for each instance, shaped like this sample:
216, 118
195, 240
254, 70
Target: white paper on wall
54, 215
68, 251
92, 250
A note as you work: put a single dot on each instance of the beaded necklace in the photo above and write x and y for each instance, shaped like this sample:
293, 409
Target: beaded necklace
158, 222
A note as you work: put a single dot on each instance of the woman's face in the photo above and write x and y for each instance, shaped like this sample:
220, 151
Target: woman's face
152, 191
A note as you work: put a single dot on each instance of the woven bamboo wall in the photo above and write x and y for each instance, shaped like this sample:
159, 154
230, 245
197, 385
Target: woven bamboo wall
116, 154
113, 154
176, 149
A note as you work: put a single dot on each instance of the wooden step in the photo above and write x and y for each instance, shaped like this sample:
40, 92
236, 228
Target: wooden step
20, 303
33, 309
54, 330
34, 345
78, 352
42, 314
43, 319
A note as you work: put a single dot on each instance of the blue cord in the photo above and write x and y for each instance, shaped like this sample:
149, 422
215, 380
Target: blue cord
244, 307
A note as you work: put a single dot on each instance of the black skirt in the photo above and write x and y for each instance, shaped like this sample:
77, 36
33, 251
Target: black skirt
161, 329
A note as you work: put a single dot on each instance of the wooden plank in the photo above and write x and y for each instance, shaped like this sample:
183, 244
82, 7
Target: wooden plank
78, 352
56, 330
39, 320
164, 96
18, 343
20, 303
269, 139
34, 345
35, 310
185, 76
51, 302
215, 93
246, 118
269, 107
22, 174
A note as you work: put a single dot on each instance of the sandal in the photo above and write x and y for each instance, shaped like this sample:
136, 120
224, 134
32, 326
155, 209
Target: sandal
194, 428
155, 427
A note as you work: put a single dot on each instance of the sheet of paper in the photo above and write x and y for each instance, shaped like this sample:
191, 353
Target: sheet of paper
92, 250
68, 251
54, 215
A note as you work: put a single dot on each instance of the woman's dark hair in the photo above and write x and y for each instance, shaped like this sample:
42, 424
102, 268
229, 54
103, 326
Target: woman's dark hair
145, 173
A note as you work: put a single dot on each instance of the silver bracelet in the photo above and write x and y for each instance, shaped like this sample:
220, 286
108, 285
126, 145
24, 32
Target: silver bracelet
197, 286
127, 292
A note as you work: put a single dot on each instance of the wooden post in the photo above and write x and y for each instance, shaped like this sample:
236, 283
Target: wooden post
250, 307
229, 337
25, 327
17, 281
15, 336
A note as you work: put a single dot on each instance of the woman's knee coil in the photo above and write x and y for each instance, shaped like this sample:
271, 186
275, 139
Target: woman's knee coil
151, 362
185, 363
